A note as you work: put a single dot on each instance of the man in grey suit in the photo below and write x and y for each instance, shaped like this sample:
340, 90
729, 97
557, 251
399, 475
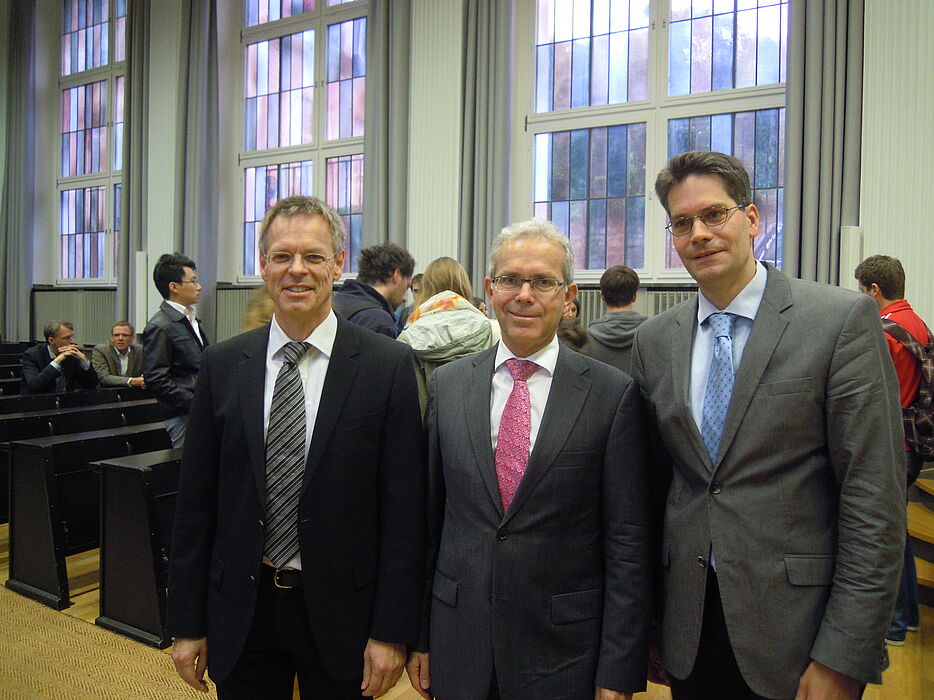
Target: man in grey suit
539, 556
779, 431
119, 362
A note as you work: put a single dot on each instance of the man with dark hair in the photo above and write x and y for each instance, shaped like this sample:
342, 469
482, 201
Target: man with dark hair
611, 335
779, 443
59, 365
119, 362
384, 273
298, 542
173, 341
883, 278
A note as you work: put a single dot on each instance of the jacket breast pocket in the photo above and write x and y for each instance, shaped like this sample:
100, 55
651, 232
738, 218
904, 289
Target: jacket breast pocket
809, 569
444, 589
574, 607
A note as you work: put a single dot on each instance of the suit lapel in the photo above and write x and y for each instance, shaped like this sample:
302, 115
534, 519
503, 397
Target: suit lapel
342, 368
767, 330
681, 348
251, 379
477, 415
569, 388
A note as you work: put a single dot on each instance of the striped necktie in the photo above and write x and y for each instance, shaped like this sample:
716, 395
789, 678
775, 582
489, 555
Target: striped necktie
285, 458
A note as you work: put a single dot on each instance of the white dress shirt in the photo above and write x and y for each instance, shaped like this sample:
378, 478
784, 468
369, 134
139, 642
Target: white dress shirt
189, 312
539, 386
312, 367
124, 359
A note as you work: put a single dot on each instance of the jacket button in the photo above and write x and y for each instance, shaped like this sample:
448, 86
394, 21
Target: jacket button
715, 487
252, 581
701, 562
262, 525
502, 534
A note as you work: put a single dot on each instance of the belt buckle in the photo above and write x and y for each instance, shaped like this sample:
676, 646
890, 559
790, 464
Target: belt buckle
275, 579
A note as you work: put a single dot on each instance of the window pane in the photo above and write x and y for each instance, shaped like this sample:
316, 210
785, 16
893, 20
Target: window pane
590, 52
264, 186
85, 33
591, 183
346, 68
82, 232
756, 138
84, 129
120, 32
117, 157
716, 46
279, 92
344, 185
262, 11
118, 191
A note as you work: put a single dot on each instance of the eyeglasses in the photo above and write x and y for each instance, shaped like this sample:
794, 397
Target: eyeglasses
281, 258
711, 217
191, 281
539, 285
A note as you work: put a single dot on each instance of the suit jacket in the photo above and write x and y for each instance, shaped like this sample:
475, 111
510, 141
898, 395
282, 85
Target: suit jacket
171, 359
555, 593
39, 377
804, 506
361, 512
107, 364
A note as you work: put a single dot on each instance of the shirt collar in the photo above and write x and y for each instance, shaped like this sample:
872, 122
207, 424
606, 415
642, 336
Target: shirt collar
744, 304
321, 338
125, 352
187, 310
546, 358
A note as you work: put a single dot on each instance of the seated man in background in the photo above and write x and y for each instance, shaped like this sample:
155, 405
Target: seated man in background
119, 362
59, 365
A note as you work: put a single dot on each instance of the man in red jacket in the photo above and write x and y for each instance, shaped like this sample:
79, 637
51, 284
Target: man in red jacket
883, 278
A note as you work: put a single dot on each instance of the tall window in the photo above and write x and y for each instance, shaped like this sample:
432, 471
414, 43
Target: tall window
304, 97
615, 87
93, 55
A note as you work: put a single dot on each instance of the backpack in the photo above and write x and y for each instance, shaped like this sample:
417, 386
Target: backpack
918, 418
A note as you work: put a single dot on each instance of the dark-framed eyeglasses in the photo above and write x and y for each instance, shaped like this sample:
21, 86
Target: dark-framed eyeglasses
281, 258
711, 217
540, 285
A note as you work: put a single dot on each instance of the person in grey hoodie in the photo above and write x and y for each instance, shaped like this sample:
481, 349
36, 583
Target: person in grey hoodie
611, 335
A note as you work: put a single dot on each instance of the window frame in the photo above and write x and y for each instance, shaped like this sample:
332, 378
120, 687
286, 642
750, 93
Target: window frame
108, 178
321, 148
655, 111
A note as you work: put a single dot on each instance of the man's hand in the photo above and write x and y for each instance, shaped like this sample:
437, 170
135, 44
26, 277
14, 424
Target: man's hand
70, 351
820, 682
604, 694
382, 666
138, 381
419, 676
191, 661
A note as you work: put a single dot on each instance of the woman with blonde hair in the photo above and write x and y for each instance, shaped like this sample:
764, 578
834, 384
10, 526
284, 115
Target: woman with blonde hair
445, 325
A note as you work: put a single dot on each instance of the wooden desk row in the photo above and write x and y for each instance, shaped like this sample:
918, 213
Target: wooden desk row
93, 476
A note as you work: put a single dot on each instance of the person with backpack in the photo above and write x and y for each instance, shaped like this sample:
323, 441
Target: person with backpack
883, 278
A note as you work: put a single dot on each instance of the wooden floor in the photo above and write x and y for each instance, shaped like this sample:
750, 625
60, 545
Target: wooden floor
907, 678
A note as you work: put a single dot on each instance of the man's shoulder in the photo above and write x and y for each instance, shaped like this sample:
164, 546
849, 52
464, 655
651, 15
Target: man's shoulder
103, 347
367, 342
464, 366
36, 352
254, 339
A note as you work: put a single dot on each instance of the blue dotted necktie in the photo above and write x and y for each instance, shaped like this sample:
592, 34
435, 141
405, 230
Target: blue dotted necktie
719, 382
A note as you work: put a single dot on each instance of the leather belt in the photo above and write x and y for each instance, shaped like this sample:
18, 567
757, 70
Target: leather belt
285, 578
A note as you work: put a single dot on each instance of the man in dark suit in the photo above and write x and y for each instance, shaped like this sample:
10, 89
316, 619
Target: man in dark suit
298, 543
776, 407
119, 362
539, 558
59, 365
173, 341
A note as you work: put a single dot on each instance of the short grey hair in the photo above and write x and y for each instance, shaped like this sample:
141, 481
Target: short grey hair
300, 205
541, 229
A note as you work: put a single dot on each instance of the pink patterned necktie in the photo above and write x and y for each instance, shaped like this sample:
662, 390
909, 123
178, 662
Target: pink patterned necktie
512, 443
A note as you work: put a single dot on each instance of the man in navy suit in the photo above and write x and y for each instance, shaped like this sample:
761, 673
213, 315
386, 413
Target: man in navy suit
338, 605
59, 365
